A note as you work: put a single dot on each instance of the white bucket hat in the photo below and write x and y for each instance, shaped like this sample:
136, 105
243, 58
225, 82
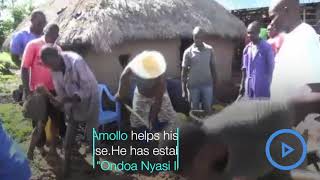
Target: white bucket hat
148, 65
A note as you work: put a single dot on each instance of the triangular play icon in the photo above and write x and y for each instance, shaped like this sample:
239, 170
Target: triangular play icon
286, 150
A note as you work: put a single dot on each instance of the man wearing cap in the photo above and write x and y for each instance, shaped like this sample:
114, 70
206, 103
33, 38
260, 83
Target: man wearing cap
77, 92
150, 101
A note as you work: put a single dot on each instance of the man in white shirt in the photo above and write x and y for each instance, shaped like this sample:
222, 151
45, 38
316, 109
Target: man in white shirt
298, 60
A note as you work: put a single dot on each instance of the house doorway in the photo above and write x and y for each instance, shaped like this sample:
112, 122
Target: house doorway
185, 42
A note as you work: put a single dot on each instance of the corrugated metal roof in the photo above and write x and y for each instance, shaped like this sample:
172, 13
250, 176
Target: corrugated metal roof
250, 4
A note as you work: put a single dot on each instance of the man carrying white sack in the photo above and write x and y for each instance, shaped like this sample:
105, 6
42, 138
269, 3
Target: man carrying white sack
150, 101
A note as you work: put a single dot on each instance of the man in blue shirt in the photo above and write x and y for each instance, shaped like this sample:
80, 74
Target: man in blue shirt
20, 39
257, 65
13, 163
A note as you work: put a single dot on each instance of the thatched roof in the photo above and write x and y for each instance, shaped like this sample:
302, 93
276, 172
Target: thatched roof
105, 23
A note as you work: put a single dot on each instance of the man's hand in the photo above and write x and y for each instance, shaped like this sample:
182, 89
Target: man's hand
241, 93
185, 95
241, 90
118, 97
56, 102
75, 98
26, 93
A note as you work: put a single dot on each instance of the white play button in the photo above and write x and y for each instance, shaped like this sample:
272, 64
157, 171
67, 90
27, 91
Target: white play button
286, 150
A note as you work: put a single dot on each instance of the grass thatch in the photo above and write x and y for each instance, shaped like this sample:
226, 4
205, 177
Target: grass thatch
105, 23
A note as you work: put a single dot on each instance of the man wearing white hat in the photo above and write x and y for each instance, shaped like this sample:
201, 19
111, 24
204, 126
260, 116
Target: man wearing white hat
150, 101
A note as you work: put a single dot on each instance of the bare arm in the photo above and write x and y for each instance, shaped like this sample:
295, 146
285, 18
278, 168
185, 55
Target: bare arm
213, 68
184, 81
244, 72
27, 61
242, 83
124, 84
25, 80
16, 59
184, 74
156, 106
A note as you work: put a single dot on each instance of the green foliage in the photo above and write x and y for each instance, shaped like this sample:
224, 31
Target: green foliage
6, 64
17, 126
19, 13
8, 83
5, 56
6, 27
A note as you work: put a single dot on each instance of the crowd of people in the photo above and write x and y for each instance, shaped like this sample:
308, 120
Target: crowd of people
272, 72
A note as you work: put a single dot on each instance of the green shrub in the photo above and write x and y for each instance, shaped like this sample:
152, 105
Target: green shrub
18, 13
6, 27
6, 64
8, 83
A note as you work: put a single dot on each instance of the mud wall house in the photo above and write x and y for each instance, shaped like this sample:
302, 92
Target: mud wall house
110, 32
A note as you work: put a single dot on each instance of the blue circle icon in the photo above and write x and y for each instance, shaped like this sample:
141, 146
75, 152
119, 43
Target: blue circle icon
303, 155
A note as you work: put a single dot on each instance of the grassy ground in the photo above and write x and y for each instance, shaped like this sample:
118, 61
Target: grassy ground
16, 125
8, 81
6, 63
6, 58
20, 130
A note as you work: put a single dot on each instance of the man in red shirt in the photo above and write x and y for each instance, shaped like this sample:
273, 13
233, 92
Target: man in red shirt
35, 74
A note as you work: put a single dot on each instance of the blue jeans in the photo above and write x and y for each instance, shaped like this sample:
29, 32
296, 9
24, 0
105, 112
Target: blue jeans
201, 95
